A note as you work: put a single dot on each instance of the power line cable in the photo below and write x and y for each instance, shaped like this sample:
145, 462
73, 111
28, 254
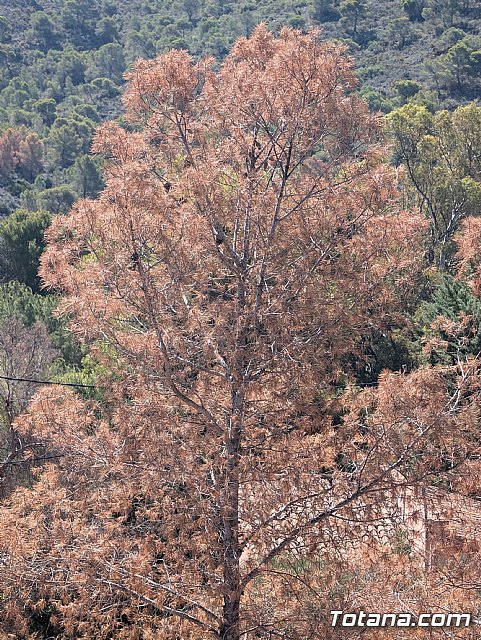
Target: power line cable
93, 386
62, 384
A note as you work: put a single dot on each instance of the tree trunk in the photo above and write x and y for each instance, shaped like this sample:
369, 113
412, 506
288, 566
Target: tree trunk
354, 29
230, 623
230, 538
229, 522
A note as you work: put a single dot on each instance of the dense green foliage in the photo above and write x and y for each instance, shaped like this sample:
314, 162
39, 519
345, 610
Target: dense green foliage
21, 243
448, 325
442, 156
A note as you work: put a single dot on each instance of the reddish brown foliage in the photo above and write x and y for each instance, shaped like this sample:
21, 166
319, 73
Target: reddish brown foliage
22, 150
248, 236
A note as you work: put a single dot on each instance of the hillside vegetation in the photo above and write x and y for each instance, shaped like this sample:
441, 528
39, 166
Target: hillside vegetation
63, 65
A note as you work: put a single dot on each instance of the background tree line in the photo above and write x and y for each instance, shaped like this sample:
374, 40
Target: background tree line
63, 64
